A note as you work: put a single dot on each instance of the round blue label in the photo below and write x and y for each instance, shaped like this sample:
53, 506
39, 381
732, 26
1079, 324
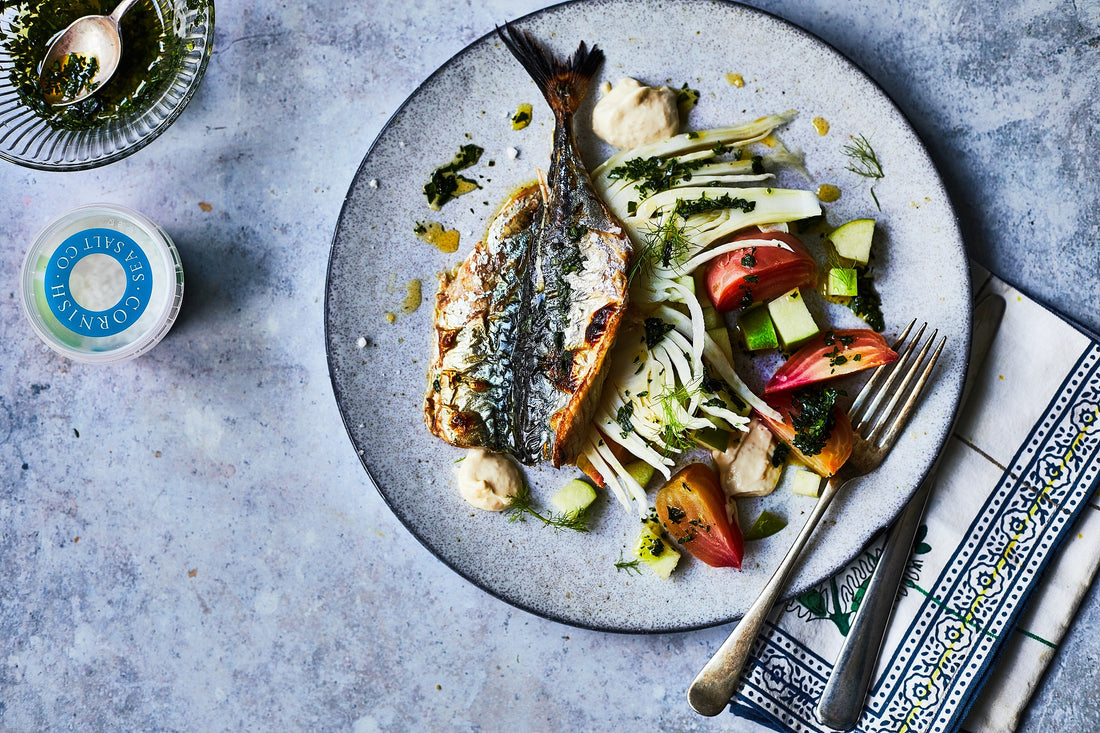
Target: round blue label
121, 315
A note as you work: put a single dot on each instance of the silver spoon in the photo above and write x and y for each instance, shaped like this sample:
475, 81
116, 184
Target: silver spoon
93, 39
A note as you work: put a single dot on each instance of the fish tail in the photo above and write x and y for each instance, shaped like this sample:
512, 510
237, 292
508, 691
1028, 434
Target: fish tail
562, 83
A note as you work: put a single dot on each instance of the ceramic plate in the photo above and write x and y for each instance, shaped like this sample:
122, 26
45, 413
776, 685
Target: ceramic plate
920, 265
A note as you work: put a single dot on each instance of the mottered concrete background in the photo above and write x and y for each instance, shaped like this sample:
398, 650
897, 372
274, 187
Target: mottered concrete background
188, 541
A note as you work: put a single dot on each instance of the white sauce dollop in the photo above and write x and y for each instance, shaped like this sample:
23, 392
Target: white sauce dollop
631, 114
488, 480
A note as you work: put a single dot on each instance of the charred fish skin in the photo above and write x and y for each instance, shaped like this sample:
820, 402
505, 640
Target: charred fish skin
478, 312
578, 292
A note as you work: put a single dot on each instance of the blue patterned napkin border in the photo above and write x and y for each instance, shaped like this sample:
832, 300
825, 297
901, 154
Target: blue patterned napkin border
950, 645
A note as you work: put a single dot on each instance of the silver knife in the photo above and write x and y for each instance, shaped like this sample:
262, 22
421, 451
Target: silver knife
842, 700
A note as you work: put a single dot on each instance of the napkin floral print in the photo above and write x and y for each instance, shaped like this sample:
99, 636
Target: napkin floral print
997, 519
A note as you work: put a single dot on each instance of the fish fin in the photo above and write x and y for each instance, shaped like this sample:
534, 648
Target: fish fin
562, 83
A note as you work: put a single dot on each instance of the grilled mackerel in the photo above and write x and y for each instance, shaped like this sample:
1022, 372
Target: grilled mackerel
524, 326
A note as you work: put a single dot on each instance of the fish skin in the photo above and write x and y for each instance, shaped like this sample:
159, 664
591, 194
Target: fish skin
478, 307
584, 305
525, 325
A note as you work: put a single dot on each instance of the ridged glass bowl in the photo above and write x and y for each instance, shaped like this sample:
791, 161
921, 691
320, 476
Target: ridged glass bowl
35, 136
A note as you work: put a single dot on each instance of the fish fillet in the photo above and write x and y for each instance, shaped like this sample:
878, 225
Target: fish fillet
524, 326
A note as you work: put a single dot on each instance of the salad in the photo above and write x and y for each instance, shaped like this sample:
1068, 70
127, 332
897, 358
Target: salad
593, 326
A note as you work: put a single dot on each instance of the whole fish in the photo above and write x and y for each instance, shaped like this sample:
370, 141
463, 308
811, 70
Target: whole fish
548, 313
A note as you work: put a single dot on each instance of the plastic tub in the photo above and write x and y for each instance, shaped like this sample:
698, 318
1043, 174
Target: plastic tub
102, 284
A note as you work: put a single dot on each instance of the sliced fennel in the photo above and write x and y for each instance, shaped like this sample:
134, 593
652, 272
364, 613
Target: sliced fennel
678, 201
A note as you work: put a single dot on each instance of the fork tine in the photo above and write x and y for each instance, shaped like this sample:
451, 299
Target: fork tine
887, 440
860, 417
876, 422
877, 376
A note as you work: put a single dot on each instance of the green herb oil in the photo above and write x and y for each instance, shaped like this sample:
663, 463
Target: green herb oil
150, 53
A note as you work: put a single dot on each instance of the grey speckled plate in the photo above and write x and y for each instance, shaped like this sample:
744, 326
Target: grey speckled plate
920, 263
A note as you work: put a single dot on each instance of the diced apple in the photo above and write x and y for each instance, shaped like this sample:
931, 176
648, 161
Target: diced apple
853, 240
793, 321
805, 483
757, 330
841, 282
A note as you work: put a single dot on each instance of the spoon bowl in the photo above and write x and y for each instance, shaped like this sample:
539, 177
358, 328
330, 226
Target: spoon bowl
82, 58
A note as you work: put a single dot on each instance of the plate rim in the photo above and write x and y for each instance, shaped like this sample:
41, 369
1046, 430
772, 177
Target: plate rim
791, 591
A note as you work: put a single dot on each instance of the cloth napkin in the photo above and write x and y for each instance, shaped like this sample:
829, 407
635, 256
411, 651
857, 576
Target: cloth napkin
1009, 545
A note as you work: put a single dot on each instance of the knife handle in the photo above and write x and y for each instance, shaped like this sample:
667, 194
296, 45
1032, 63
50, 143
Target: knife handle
842, 700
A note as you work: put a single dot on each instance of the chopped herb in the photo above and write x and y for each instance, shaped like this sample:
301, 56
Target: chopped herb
865, 162
815, 419
654, 547
749, 259
676, 514
571, 259
752, 278
69, 76
718, 387
703, 204
655, 330
867, 304
445, 183
576, 232
779, 455
630, 566
686, 538
655, 173
622, 417
522, 117
686, 99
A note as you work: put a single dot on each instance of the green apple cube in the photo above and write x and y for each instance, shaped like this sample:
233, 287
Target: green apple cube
757, 330
806, 483
713, 438
574, 497
793, 321
654, 550
841, 282
721, 336
640, 471
711, 318
853, 240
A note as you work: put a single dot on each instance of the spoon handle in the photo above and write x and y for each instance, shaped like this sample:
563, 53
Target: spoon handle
121, 10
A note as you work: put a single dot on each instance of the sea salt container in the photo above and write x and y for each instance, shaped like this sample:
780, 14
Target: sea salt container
102, 284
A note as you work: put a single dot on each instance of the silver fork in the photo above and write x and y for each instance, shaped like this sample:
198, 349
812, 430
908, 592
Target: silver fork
876, 427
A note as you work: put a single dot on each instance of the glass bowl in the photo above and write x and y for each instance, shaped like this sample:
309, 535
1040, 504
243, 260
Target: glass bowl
170, 38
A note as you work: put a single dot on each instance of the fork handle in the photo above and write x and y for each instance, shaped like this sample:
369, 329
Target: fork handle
713, 687
842, 700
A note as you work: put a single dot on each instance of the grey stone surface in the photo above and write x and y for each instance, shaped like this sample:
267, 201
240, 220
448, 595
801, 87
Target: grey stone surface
187, 541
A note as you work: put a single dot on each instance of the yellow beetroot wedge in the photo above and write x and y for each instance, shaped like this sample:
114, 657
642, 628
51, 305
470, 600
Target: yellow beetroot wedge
692, 508
832, 354
819, 434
